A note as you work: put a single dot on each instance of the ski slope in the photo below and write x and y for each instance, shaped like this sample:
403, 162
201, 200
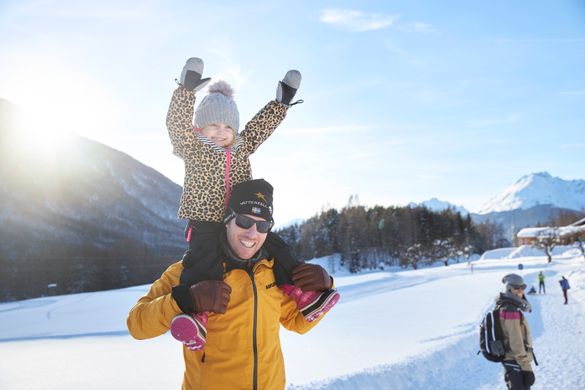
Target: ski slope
392, 330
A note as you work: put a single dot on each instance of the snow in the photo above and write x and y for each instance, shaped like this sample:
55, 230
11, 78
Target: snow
499, 253
438, 205
562, 231
393, 329
530, 251
535, 232
538, 189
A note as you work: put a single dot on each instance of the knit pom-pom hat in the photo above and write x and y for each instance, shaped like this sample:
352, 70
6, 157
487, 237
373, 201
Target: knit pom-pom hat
218, 107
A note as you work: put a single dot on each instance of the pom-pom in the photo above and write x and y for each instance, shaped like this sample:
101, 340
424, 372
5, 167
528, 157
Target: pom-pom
222, 87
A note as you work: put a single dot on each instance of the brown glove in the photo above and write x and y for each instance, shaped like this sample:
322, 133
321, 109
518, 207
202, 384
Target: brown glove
311, 277
210, 295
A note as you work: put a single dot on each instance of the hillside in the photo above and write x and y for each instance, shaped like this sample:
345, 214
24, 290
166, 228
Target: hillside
71, 211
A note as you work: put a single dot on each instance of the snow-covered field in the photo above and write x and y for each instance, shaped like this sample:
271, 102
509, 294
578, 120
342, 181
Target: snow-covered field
392, 330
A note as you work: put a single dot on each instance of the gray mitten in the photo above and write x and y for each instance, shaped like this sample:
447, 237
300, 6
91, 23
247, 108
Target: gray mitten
191, 75
287, 88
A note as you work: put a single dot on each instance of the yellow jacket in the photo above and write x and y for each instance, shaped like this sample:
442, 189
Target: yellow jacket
243, 346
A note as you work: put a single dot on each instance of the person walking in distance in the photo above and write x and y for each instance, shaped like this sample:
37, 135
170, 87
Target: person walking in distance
541, 287
565, 286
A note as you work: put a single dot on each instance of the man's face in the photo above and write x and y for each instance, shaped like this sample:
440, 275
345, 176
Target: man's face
245, 242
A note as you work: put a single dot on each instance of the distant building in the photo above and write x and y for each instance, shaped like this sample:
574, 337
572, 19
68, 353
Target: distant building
566, 234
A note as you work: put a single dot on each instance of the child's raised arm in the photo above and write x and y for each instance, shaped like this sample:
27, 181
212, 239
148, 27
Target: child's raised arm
269, 118
180, 113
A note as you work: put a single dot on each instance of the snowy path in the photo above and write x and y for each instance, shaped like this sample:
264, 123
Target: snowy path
401, 331
558, 331
561, 348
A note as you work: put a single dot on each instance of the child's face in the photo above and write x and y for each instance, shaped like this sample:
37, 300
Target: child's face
219, 133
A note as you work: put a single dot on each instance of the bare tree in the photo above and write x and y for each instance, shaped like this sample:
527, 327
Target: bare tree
414, 255
581, 247
547, 240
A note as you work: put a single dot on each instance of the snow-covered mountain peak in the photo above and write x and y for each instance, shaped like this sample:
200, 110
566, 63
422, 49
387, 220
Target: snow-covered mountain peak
438, 205
536, 189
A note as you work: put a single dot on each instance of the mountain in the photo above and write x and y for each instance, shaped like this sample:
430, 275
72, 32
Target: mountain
71, 212
438, 205
533, 199
538, 189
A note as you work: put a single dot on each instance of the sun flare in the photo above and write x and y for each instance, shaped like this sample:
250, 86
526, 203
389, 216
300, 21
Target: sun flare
57, 101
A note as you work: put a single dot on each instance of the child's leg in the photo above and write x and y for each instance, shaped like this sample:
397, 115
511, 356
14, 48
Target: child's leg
201, 262
313, 304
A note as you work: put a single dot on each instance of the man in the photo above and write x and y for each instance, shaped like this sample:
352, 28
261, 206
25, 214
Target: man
245, 309
541, 286
518, 372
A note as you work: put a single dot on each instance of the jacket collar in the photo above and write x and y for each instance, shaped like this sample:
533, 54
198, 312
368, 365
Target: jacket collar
509, 299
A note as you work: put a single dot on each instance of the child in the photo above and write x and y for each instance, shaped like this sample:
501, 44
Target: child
216, 158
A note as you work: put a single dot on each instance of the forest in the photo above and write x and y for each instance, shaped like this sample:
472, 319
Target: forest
375, 237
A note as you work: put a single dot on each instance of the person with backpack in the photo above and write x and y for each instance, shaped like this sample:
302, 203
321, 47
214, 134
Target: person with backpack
515, 333
565, 286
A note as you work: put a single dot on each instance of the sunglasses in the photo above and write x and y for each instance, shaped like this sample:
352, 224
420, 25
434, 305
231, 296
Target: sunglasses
519, 288
246, 222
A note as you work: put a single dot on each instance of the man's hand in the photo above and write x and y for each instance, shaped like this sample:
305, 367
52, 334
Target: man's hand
210, 295
311, 277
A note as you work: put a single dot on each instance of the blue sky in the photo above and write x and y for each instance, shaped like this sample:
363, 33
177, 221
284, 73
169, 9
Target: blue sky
404, 100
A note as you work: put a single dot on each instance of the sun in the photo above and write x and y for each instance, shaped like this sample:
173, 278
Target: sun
41, 129
57, 100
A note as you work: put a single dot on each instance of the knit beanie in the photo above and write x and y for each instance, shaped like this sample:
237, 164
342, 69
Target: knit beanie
253, 197
513, 280
218, 107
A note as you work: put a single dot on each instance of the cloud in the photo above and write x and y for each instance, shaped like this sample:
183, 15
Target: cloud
357, 21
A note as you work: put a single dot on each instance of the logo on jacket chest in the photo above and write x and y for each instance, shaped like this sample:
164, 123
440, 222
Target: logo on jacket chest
270, 285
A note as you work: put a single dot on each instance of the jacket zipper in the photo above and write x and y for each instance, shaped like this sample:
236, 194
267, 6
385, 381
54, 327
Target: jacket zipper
254, 329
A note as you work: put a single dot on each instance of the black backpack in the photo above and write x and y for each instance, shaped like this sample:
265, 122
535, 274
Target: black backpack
491, 344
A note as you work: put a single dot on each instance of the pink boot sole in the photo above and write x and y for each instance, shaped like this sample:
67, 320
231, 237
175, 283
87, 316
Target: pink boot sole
312, 304
190, 330
320, 306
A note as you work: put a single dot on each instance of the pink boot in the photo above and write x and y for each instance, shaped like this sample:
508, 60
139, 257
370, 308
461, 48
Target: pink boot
190, 330
312, 304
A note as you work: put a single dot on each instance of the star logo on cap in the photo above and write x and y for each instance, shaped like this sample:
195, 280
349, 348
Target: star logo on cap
260, 195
